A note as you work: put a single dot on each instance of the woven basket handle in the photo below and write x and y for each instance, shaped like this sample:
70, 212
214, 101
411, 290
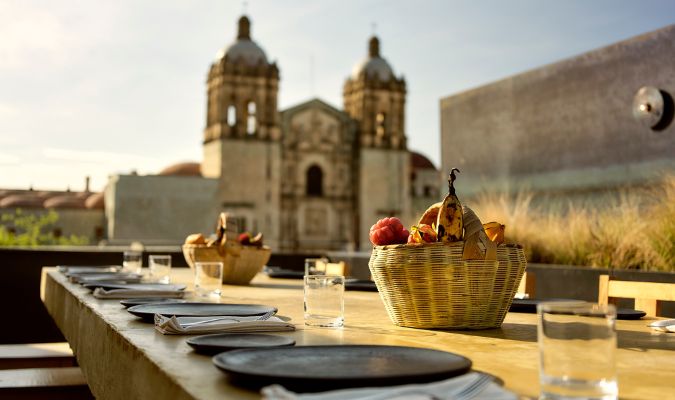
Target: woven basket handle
477, 245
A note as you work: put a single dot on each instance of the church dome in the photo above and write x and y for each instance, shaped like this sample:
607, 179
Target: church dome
182, 169
419, 161
64, 201
244, 50
373, 66
21, 201
95, 202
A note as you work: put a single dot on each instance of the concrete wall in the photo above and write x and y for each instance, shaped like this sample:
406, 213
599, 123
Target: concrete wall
564, 126
384, 189
249, 184
159, 209
425, 191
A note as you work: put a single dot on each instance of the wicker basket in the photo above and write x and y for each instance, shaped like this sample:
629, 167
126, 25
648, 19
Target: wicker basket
240, 263
431, 286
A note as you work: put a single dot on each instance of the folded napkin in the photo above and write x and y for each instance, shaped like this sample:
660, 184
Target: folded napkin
101, 293
177, 325
445, 390
664, 325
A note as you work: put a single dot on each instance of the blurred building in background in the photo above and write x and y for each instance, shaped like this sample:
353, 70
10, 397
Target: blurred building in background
579, 127
79, 213
311, 177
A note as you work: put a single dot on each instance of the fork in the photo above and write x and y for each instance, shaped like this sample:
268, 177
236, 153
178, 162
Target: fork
263, 317
473, 389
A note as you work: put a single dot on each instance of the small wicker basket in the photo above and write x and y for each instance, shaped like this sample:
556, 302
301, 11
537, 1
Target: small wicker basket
240, 263
431, 286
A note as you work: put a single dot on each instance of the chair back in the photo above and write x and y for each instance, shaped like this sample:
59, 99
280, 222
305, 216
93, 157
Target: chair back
648, 295
527, 285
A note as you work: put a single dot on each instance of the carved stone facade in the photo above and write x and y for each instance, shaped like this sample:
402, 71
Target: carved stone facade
317, 192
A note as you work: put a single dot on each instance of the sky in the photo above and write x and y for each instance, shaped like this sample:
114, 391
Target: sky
94, 88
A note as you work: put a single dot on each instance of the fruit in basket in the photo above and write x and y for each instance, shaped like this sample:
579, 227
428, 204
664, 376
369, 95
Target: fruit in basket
195, 238
495, 232
449, 223
422, 233
247, 239
477, 245
430, 216
388, 231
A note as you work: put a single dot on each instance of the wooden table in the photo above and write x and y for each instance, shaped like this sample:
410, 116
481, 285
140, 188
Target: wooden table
123, 358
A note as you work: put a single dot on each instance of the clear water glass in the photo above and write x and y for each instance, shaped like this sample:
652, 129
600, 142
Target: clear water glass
132, 261
324, 300
160, 268
310, 266
577, 351
208, 279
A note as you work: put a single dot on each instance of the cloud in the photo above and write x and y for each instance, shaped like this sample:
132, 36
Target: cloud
9, 159
29, 31
98, 157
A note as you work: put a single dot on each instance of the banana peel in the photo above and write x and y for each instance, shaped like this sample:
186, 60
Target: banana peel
430, 216
449, 223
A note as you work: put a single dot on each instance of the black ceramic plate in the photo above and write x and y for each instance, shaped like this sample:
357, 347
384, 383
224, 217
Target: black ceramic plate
623, 313
361, 285
318, 368
70, 269
148, 311
135, 302
213, 344
285, 274
530, 305
135, 286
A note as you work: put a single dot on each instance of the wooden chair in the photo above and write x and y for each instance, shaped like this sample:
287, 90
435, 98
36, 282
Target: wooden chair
648, 295
338, 268
44, 383
36, 355
527, 284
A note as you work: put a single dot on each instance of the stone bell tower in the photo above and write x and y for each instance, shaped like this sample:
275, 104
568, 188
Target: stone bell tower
375, 98
242, 91
242, 135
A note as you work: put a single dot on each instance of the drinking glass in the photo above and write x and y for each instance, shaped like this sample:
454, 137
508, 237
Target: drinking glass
324, 300
208, 278
577, 349
312, 266
160, 268
133, 261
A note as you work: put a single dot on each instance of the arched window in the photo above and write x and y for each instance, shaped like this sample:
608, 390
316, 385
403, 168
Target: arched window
314, 181
250, 119
380, 119
231, 116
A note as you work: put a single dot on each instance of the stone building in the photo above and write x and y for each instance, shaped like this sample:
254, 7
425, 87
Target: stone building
311, 177
579, 127
79, 213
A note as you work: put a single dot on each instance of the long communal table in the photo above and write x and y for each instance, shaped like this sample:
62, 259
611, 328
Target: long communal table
124, 358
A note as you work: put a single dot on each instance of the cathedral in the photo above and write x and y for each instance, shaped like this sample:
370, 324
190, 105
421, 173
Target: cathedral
310, 177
